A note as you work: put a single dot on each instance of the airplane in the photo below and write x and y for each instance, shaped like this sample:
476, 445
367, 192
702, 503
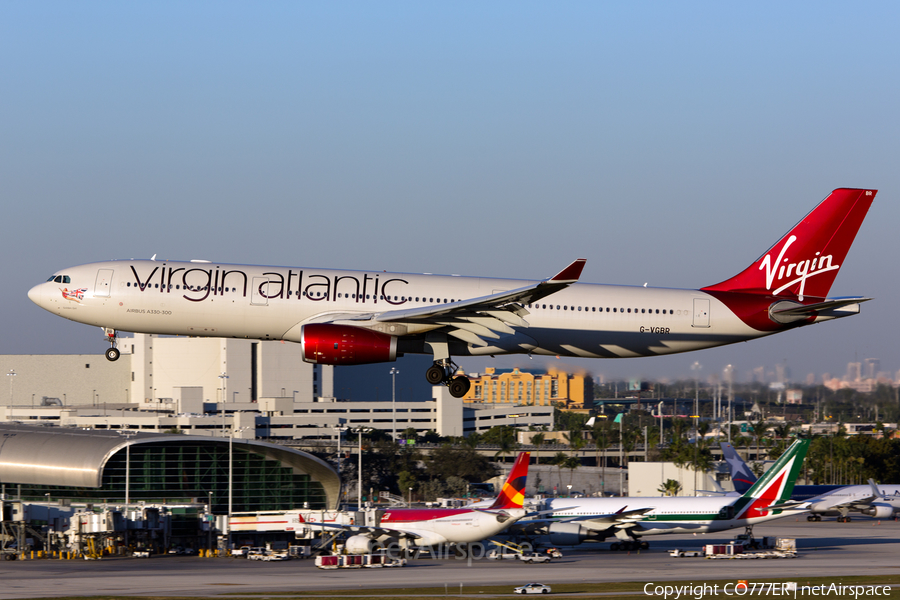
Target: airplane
435, 526
872, 500
362, 317
573, 521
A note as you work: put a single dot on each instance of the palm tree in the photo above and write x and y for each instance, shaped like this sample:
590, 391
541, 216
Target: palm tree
559, 460
670, 488
603, 438
537, 440
571, 463
759, 430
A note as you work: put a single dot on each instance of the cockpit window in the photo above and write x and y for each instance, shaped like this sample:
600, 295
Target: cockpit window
60, 279
51, 278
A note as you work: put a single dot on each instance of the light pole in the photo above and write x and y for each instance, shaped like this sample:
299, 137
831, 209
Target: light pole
230, 476
11, 375
360, 431
223, 377
127, 435
409, 499
209, 522
394, 372
729, 372
340, 429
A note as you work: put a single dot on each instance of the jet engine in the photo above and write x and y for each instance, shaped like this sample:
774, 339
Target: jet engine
326, 344
361, 544
879, 511
567, 534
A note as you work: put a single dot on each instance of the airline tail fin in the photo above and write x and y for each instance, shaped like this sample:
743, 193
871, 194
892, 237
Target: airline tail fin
741, 475
776, 484
806, 260
513, 492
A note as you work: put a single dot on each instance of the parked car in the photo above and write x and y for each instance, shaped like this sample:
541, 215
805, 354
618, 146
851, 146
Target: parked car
534, 558
256, 553
533, 588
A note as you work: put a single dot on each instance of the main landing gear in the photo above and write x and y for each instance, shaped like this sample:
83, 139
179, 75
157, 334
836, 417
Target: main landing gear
629, 545
442, 372
814, 517
112, 354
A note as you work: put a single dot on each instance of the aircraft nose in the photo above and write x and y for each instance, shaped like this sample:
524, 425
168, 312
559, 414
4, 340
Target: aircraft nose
36, 294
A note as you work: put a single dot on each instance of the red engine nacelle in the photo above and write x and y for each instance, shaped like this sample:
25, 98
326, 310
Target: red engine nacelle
346, 345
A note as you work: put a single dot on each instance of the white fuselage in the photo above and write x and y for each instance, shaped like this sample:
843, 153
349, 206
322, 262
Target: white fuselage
889, 495
272, 303
702, 514
449, 526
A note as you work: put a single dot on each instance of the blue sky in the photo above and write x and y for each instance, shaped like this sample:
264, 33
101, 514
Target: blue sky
668, 143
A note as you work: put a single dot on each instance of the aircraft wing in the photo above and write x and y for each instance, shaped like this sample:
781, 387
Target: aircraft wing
620, 520
856, 503
472, 319
372, 531
487, 316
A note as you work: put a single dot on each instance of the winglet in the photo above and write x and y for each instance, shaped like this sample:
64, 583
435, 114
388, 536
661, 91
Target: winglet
571, 273
513, 492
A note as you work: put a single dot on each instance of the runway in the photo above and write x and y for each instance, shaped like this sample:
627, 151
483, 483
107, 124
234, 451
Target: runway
826, 549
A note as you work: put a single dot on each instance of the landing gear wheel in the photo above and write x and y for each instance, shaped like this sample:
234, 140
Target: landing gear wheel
434, 375
459, 386
811, 517
615, 546
645, 546
112, 354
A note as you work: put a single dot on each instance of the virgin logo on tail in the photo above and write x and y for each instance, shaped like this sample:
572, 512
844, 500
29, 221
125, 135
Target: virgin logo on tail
801, 271
819, 243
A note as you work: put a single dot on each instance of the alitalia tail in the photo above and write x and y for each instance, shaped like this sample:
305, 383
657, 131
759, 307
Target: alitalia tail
630, 518
358, 317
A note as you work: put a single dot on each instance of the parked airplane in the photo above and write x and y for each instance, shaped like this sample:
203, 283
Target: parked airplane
573, 521
872, 500
742, 477
359, 317
433, 526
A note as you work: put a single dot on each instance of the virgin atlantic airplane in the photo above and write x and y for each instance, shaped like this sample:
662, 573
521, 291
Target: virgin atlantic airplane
359, 317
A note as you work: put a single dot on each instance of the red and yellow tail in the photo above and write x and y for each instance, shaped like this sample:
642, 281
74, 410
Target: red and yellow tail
513, 492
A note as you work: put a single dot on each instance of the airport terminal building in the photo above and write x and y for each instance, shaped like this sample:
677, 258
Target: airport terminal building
93, 467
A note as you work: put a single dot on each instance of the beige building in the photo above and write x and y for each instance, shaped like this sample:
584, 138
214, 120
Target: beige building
531, 389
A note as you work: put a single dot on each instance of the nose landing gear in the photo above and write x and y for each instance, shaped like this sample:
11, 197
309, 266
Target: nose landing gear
112, 354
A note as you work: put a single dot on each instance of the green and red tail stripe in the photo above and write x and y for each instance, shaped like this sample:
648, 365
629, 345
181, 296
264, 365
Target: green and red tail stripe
775, 486
513, 492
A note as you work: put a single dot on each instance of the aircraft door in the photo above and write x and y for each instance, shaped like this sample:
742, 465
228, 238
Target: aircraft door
101, 286
259, 291
701, 312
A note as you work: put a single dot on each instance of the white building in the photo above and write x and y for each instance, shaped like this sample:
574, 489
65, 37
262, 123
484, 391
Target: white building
221, 387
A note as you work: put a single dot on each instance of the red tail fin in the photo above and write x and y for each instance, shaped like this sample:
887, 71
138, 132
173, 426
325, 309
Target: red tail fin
806, 260
513, 491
